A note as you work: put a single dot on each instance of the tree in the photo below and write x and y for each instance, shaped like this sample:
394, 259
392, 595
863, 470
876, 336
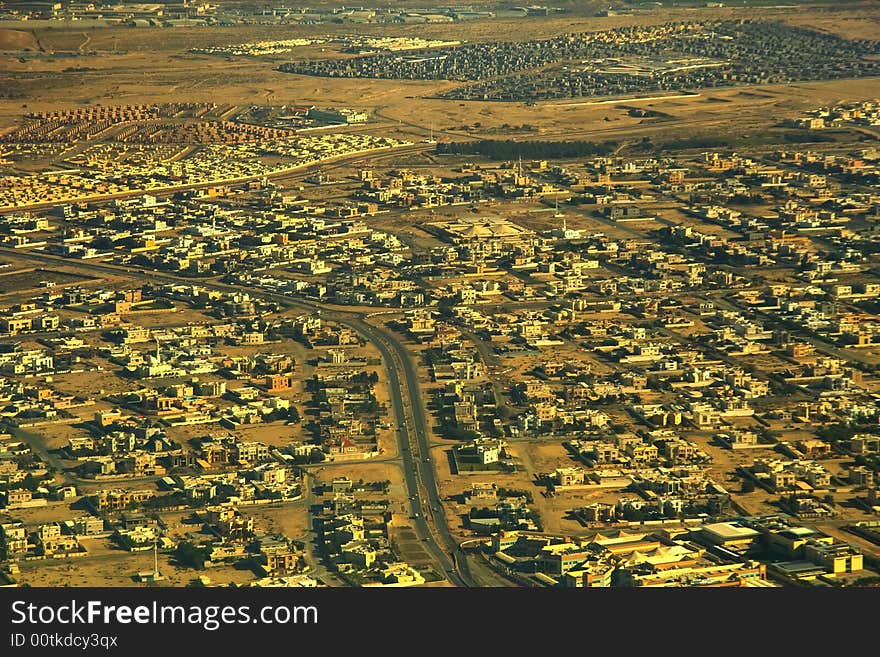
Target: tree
510, 150
191, 555
836, 432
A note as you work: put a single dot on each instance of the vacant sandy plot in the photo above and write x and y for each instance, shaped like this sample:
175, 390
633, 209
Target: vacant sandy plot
29, 279
97, 384
291, 520
104, 568
17, 40
52, 512
863, 25
725, 461
275, 434
180, 315
368, 472
57, 434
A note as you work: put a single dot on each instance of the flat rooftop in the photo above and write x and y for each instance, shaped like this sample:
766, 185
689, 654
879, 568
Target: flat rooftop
728, 531
798, 532
797, 567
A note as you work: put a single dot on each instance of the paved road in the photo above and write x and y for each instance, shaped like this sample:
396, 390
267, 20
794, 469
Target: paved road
417, 466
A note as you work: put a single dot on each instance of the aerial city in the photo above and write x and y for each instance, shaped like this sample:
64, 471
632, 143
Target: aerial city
414, 295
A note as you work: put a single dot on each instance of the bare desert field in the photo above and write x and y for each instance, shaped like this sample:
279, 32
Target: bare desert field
126, 65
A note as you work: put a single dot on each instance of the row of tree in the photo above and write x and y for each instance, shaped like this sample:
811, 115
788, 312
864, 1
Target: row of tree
509, 150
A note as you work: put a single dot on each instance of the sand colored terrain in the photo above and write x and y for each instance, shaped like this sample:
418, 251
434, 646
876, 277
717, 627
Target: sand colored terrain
127, 65
14, 40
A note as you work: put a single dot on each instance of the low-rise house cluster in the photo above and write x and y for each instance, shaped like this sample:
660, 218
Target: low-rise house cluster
346, 427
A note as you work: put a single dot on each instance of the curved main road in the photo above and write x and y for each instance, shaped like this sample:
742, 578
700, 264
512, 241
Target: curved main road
417, 467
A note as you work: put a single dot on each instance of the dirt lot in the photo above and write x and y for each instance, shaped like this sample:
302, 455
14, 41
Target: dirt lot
106, 567
39, 515
17, 40
276, 434
57, 435
95, 385
291, 520
368, 472
30, 279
